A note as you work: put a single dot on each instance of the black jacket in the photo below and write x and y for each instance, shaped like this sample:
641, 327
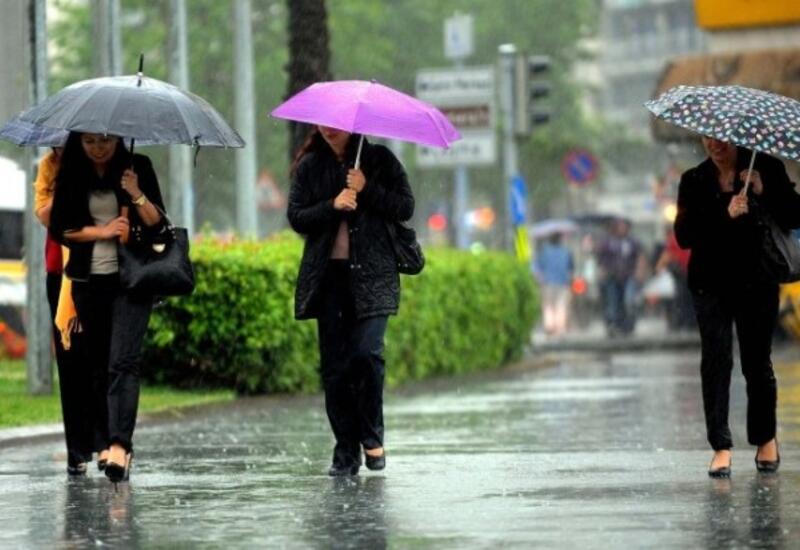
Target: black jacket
726, 251
71, 213
318, 179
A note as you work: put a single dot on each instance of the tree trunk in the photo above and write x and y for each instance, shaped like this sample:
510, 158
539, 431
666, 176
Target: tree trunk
309, 56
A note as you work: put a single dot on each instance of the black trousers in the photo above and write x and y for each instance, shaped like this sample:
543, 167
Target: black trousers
75, 385
754, 312
352, 367
114, 325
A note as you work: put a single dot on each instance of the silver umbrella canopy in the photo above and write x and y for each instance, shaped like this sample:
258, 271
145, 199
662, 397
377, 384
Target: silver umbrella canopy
147, 110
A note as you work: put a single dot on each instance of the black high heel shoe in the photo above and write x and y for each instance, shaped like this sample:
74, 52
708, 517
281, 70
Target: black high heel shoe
722, 472
769, 466
116, 472
78, 469
375, 462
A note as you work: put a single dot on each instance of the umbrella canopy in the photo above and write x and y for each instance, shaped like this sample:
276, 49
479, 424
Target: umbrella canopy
145, 109
755, 119
362, 107
24, 133
553, 226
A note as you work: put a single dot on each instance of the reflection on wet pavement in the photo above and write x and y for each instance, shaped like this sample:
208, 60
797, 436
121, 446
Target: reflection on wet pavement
594, 452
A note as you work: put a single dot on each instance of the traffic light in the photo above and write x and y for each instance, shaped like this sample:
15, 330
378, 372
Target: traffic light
529, 90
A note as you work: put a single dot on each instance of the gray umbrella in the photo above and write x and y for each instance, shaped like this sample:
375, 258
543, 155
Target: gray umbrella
145, 109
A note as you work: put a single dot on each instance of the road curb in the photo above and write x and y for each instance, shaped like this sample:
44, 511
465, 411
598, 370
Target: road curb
677, 342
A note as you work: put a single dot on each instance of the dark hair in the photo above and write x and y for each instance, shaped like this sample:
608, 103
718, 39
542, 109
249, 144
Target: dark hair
77, 170
315, 142
312, 143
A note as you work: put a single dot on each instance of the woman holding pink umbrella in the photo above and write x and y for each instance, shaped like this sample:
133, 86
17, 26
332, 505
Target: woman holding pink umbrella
348, 279
346, 195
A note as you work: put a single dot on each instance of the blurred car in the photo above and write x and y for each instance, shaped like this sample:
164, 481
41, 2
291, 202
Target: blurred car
12, 268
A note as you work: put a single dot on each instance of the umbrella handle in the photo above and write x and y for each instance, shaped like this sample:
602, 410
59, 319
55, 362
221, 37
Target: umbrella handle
140, 74
358, 154
749, 171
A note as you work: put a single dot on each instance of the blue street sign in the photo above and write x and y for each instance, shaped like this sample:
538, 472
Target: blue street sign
518, 204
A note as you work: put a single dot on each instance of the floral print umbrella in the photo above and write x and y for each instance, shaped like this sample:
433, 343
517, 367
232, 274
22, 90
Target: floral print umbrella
754, 119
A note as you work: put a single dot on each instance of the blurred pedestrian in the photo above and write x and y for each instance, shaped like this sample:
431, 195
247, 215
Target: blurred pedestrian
719, 221
74, 377
348, 279
553, 267
101, 194
675, 260
618, 257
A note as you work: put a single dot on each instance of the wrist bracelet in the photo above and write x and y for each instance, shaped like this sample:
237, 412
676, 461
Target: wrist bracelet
140, 201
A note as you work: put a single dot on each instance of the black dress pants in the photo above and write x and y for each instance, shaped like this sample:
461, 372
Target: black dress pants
75, 385
352, 368
114, 325
753, 309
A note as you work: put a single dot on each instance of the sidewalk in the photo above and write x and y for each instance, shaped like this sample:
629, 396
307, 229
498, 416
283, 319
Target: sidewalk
652, 333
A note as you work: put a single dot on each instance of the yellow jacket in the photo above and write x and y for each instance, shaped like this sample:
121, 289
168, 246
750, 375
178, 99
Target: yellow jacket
66, 319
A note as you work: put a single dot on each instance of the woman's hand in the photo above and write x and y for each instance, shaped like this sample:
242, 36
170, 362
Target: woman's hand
346, 200
356, 180
130, 183
755, 181
738, 205
118, 227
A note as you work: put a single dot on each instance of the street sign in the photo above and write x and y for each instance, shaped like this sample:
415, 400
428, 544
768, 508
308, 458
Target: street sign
519, 201
473, 149
579, 167
466, 97
458, 37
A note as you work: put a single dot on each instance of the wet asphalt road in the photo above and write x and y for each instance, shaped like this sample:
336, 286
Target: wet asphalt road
595, 451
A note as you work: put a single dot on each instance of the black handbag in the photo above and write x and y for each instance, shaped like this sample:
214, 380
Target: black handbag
158, 268
780, 258
407, 251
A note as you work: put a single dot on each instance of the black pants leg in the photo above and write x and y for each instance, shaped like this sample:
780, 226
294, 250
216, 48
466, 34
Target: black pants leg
755, 324
93, 301
754, 310
352, 368
129, 319
75, 385
368, 367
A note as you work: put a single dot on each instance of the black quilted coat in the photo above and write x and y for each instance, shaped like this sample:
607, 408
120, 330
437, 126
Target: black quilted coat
318, 179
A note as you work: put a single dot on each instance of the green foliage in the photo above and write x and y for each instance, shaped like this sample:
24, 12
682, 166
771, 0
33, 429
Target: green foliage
464, 312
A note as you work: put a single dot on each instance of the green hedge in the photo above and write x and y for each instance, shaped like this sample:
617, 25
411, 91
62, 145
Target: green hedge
464, 312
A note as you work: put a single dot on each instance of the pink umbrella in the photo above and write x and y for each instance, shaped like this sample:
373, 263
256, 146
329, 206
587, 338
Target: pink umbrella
362, 107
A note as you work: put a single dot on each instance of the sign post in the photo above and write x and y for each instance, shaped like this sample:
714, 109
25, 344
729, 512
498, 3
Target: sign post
464, 95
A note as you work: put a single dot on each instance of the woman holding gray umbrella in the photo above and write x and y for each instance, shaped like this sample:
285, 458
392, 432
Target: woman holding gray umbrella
721, 220
348, 279
103, 197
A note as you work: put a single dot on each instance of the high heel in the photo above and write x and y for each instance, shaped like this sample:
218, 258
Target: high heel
769, 466
375, 462
723, 472
78, 469
116, 472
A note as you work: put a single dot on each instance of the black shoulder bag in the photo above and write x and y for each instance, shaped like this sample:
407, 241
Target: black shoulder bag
407, 251
158, 268
780, 252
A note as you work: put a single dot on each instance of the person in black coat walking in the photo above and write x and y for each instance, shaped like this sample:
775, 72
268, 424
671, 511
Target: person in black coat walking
723, 225
105, 198
348, 279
